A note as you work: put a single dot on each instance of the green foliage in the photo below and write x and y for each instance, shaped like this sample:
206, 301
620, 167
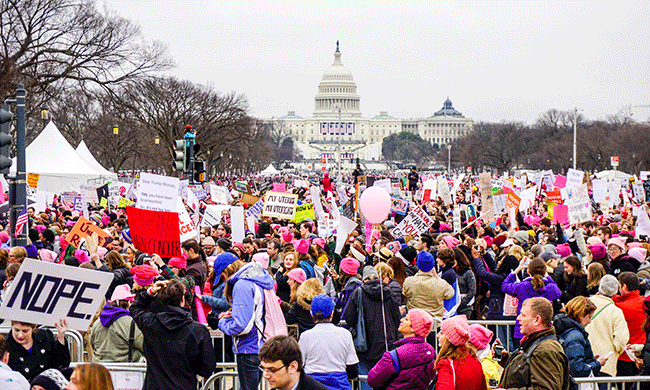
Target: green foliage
407, 147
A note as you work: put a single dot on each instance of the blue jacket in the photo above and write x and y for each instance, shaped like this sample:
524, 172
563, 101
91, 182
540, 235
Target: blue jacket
247, 322
217, 301
576, 345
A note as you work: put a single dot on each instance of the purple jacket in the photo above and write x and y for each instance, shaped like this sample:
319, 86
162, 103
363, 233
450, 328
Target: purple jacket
524, 290
417, 366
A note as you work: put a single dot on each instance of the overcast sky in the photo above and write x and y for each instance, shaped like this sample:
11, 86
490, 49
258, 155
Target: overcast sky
509, 60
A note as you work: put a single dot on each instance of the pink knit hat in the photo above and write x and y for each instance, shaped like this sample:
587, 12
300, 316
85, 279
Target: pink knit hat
106, 220
320, 242
450, 241
82, 256
634, 245
302, 247
598, 250
456, 330
638, 254
394, 247
262, 258
421, 322
563, 250
298, 275
287, 237
178, 262
619, 242
350, 265
47, 255
4, 236
480, 336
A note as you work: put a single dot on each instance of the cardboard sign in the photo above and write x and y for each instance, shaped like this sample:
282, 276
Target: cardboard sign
486, 196
32, 179
155, 231
384, 183
512, 201
249, 199
158, 193
499, 203
279, 205
304, 211
44, 293
415, 223
212, 214
554, 196
84, 228
399, 206
457, 221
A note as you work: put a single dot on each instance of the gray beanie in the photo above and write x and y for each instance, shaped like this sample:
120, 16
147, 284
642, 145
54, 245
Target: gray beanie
369, 272
608, 286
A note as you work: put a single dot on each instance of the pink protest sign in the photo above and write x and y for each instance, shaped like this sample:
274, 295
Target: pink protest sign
279, 187
560, 213
560, 181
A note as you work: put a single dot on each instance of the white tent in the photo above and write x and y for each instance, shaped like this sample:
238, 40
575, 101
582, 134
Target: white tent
611, 174
58, 164
84, 152
270, 170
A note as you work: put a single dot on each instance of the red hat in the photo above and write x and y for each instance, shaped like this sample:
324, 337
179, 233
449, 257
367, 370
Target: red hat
499, 240
179, 262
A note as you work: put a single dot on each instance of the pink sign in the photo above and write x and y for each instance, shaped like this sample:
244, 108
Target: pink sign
279, 187
560, 181
560, 213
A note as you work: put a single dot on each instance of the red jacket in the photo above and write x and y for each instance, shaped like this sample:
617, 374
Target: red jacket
632, 306
467, 374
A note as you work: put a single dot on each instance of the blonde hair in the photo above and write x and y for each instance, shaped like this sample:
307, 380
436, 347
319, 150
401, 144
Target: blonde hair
384, 270
517, 252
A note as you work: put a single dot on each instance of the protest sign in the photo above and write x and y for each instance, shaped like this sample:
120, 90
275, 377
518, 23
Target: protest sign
279, 205
256, 210
560, 213
554, 196
303, 211
512, 201
385, 184
84, 228
192, 202
646, 188
415, 223
122, 203
183, 186
237, 223
457, 222
249, 199
279, 187
117, 189
200, 193
599, 190
212, 214
644, 175
155, 231
77, 204
346, 226
185, 224
157, 193
322, 226
127, 380
103, 202
574, 193
499, 203
643, 222
399, 206
639, 192
44, 293
443, 190
241, 186
334, 209
486, 196
560, 181
32, 179
574, 178
220, 194
315, 199
580, 211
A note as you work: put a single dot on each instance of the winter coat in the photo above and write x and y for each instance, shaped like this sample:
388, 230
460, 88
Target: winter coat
372, 292
495, 302
427, 292
467, 287
411, 269
217, 301
396, 290
549, 366
176, 347
524, 290
623, 263
283, 290
109, 337
121, 275
576, 345
448, 274
576, 286
197, 269
247, 323
344, 295
607, 332
416, 361
46, 352
466, 374
632, 306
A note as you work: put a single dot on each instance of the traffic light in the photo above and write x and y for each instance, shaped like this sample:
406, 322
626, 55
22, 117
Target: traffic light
5, 138
179, 155
199, 171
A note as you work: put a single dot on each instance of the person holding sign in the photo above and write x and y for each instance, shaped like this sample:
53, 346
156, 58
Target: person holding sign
32, 351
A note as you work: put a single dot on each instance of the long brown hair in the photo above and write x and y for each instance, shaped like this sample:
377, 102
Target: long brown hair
449, 350
92, 376
114, 260
227, 274
399, 269
596, 272
537, 270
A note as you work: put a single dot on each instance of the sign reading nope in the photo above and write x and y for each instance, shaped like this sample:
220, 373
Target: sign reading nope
44, 293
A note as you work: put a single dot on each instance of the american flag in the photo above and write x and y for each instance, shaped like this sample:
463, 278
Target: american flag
21, 221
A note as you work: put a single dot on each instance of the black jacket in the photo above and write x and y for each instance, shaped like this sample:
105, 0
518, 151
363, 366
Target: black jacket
372, 312
46, 353
308, 383
121, 275
177, 348
299, 314
576, 286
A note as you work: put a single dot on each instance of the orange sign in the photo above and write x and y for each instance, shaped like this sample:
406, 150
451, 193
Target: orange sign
512, 201
32, 179
84, 228
323, 160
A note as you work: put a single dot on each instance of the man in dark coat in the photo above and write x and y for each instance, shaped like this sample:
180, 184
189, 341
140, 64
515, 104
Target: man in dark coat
281, 363
176, 347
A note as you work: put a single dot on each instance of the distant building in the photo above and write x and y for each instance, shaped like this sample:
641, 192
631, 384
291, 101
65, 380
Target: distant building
317, 137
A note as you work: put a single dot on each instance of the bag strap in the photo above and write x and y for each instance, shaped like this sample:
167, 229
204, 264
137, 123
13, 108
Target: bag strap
598, 312
395, 358
531, 349
131, 340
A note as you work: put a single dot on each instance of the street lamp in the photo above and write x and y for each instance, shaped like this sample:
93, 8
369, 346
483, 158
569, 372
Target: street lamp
337, 107
116, 130
449, 159
156, 140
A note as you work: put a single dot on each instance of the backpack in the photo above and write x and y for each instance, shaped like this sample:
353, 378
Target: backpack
573, 385
274, 322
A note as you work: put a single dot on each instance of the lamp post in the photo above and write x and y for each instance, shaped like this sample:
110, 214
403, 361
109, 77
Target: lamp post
449, 159
44, 116
575, 136
337, 107
116, 130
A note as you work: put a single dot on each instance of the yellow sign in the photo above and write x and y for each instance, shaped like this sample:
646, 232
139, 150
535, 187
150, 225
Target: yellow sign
103, 202
32, 179
304, 211
124, 202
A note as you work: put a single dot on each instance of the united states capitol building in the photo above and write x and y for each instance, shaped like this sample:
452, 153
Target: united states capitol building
337, 118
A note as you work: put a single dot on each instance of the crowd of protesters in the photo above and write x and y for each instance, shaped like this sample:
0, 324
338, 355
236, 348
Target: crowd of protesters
395, 309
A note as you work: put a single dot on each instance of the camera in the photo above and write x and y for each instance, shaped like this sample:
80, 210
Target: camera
498, 352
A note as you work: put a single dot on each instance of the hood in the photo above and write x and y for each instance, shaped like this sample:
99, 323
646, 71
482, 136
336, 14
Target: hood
110, 314
373, 289
172, 318
563, 323
255, 273
644, 265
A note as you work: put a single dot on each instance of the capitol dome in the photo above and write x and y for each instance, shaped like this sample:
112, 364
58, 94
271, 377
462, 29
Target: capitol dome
337, 89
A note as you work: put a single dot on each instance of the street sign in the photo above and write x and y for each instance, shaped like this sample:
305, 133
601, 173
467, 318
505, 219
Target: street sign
614, 161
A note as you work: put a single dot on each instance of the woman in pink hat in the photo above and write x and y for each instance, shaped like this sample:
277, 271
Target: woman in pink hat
457, 365
289, 262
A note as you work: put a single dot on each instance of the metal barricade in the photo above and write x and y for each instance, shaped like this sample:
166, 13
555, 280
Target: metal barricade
611, 381
228, 379
217, 337
73, 337
494, 325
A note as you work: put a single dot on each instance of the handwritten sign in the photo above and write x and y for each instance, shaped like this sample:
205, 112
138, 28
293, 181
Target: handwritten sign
155, 231
560, 213
279, 205
574, 178
512, 201
157, 193
256, 210
279, 187
415, 223
44, 293
123, 202
32, 179
304, 211
554, 196
185, 224
84, 228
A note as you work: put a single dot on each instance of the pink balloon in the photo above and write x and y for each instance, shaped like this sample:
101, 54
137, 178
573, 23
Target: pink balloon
375, 204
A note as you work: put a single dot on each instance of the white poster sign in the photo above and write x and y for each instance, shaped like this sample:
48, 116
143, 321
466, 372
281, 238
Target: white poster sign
574, 178
212, 214
346, 226
457, 220
279, 205
237, 221
157, 193
499, 203
443, 190
384, 183
185, 224
415, 223
44, 293
255, 210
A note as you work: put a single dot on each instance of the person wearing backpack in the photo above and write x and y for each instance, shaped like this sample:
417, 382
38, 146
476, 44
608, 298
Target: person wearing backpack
245, 322
540, 362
